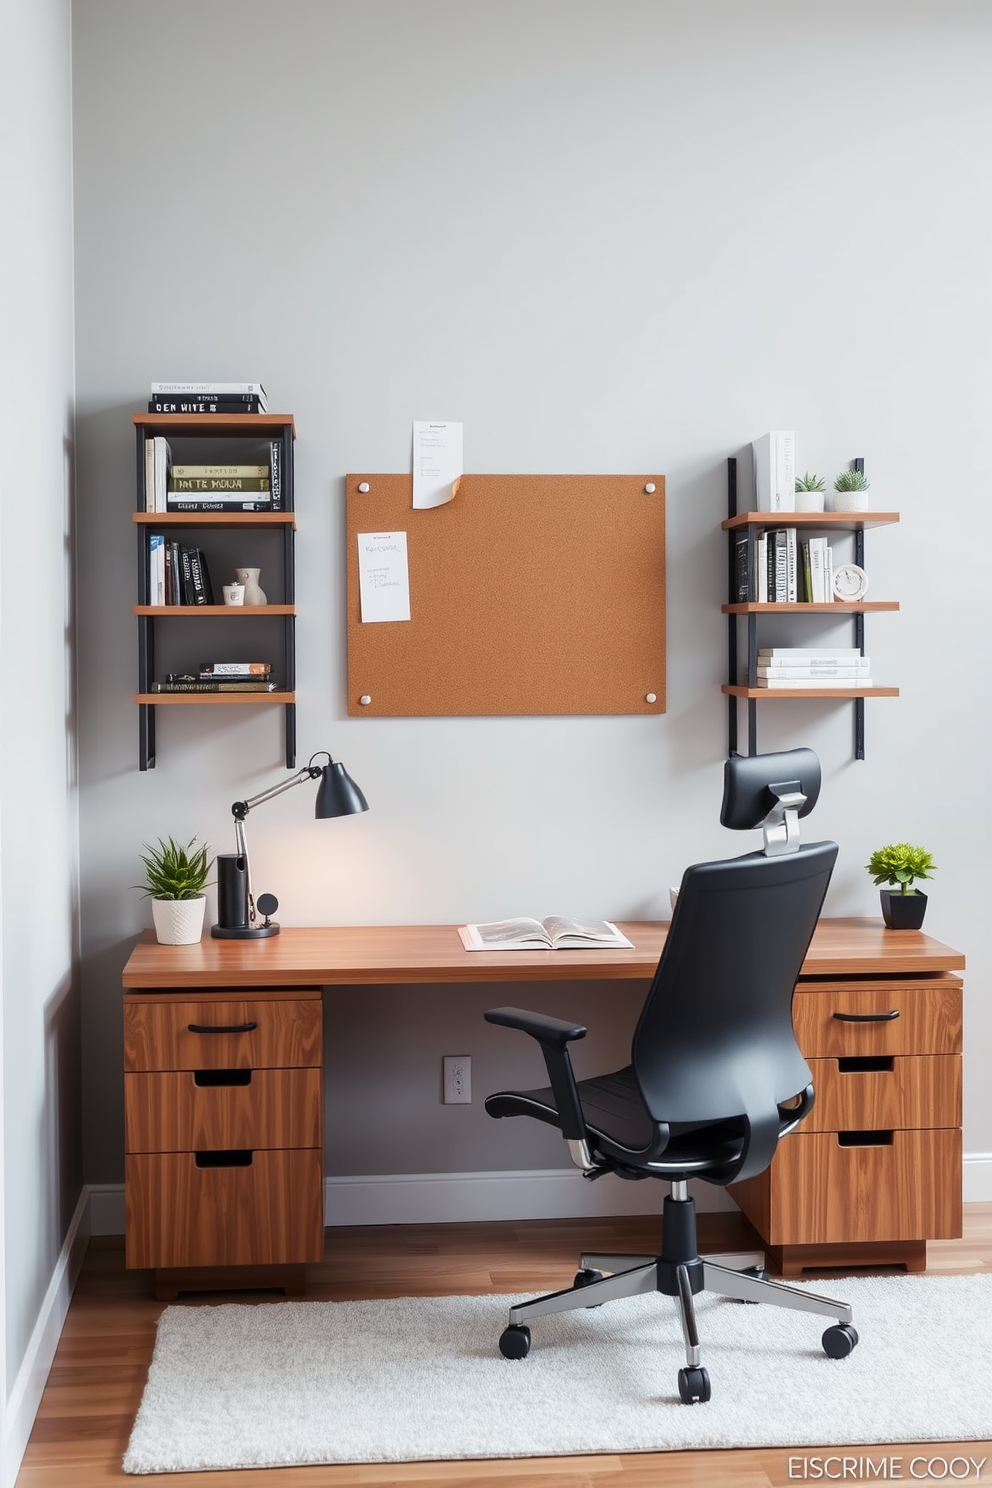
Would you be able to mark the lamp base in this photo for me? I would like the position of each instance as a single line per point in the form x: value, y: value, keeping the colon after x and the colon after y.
x: 244, y: 932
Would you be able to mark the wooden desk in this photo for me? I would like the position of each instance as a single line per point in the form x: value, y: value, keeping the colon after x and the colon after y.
x: 226, y: 1120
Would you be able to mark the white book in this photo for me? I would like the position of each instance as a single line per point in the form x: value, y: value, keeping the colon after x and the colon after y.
x: 156, y: 568
x: 813, y: 671
x: 761, y: 559
x: 795, y: 682
x: 553, y: 933
x: 831, y: 654
x: 214, y: 389
x: 149, y: 474
x: 163, y: 464
x: 817, y: 563
x: 775, y: 471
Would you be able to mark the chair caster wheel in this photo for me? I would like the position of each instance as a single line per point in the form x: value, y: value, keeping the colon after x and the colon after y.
x: 694, y: 1384
x: 839, y: 1340
x: 585, y: 1278
x: 514, y: 1341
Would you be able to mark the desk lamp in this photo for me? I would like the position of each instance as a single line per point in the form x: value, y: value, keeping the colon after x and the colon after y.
x: 237, y: 918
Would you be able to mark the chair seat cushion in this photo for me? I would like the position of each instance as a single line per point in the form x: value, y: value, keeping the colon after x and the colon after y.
x: 620, y: 1128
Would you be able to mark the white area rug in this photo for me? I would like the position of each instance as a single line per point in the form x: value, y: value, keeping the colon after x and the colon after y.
x: 288, y: 1383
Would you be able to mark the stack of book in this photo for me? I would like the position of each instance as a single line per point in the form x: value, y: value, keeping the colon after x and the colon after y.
x: 221, y: 676
x: 177, y: 574
x: 207, y: 397
x: 811, y: 666
x: 211, y: 488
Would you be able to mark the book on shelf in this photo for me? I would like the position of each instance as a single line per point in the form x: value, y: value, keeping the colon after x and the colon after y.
x: 182, y: 505
x: 205, y: 405
x: 156, y: 568
x: 275, y: 473
x: 158, y: 463
x: 818, y: 681
x: 204, y: 472
x: 775, y: 471
x: 761, y: 563
x: 813, y: 670
x: 782, y: 566
x: 257, y: 485
x: 825, y: 655
x: 234, y: 685
x: 211, y: 670
x: 203, y: 591
x: 217, y: 389
x: 553, y: 933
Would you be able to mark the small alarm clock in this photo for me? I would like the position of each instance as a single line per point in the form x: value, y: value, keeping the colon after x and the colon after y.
x: 850, y: 582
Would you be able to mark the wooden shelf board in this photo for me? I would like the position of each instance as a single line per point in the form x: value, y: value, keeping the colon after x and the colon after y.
x: 215, y: 519
x: 169, y: 612
x: 213, y: 423
x: 835, y: 607
x: 170, y: 699
x: 764, y: 693
x: 851, y: 521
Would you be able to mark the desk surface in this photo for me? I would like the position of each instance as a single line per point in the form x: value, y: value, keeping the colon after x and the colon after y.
x: 380, y: 954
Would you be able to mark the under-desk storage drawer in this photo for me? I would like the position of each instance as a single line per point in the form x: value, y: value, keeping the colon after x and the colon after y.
x: 189, y: 1110
x: 248, y: 1033
x: 873, y: 1092
x: 829, y: 1187
x: 878, y: 1017
x: 247, y: 1209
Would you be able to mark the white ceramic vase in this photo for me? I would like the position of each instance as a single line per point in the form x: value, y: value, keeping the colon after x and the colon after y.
x: 179, y: 921
x: 249, y: 577
x: 852, y: 501
x: 809, y: 501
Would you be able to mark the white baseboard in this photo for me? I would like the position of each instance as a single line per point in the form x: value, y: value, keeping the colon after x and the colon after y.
x: 447, y: 1198
x: 25, y: 1397
x: 976, y: 1185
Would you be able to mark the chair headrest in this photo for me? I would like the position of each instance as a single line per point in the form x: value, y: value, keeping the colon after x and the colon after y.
x: 770, y: 791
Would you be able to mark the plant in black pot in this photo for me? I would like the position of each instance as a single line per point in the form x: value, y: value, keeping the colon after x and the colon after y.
x: 900, y: 865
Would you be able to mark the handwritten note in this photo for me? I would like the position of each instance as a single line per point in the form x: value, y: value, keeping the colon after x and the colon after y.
x: 383, y: 576
x: 437, y: 462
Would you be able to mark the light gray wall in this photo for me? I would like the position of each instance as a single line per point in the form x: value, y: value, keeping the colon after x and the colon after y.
x: 609, y: 238
x: 42, y: 1167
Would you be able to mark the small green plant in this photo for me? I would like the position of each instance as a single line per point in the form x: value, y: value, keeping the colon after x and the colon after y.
x: 174, y: 872
x: 851, y: 480
x: 899, y: 864
x: 809, y: 482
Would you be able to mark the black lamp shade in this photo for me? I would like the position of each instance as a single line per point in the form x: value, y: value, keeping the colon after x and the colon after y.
x: 337, y: 794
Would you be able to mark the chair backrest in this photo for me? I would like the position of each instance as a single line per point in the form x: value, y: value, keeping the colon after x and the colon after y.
x: 714, y: 1039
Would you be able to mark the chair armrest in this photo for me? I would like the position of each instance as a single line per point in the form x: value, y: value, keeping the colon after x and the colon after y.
x: 554, y: 1031
x: 554, y: 1035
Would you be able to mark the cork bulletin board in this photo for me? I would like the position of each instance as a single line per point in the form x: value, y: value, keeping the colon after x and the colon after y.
x: 529, y: 595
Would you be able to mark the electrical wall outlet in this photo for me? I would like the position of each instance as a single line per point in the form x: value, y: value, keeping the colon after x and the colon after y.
x: 457, y: 1082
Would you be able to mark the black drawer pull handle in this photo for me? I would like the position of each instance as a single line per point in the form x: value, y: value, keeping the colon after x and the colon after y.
x: 867, y: 1017
x: 238, y: 1157
x: 223, y: 1028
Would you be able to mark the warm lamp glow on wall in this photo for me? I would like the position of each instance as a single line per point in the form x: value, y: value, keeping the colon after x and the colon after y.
x: 237, y: 913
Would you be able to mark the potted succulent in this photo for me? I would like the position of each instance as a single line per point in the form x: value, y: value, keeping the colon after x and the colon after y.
x: 809, y: 492
x: 851, y: 491
x: 175, y: 878
x: 900, y: 865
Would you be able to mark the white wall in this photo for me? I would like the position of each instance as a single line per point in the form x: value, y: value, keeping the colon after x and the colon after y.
x: 609, y: 238
x: 38, y: 854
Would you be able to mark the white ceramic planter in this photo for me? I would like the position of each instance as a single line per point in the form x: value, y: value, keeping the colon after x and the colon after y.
x: 179, y: 921
x: 851, y: 501
x: 809, y: 501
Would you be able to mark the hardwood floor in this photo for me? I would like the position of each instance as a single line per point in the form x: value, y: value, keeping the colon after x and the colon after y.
x: 99, y: 1371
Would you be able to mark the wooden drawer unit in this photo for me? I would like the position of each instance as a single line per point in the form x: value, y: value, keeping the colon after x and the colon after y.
x: 875, y: 1169
x: 223, y: 1108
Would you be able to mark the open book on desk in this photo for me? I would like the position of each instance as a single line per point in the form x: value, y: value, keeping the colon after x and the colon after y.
x: 553, y: 933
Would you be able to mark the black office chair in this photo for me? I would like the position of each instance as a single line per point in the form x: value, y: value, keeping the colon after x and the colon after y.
x: 715, y: 1080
